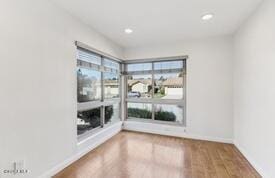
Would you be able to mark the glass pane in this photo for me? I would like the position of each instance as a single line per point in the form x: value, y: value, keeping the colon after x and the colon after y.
x: 139, y: 86
x: 87, y: 56
x: 168, y: 65
x: 88, y: 85
x: 169, y: 86
x: 111, y: 64
x: 166, y: 112
x: 87, y: 120
x: 111, y: 85
x: 140, y: 110
x: 139, y: 67
x: 112, y: 113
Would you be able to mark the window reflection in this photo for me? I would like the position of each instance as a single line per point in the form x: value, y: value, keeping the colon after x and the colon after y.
x: 112, y: 113
x: 87, y: 120
x: 88, y: 85
x: 111, y: 85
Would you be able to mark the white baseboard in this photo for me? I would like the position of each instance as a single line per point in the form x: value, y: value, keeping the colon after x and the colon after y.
x: 89, y: 144
x: 251, y: 160
x: 169, y: 130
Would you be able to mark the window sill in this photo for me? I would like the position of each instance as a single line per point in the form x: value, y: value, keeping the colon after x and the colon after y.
x: 96, y: 131
x: 156, y: 122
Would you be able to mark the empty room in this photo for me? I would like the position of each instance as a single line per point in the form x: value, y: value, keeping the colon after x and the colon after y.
x: 137, y: 89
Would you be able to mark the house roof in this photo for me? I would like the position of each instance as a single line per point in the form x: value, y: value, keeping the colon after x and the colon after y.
x: 177, y: 81
x: 143, y: 81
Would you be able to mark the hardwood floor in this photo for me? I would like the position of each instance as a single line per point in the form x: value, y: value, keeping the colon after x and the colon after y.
x: 140, y: 155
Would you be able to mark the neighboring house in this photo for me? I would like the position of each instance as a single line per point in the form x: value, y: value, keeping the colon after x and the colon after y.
x: 111, y: 88
x: 173, y: 87
x: 142, y: 85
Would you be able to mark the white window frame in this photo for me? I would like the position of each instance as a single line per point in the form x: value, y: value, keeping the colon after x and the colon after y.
x: 152, y: 100
x: 102, y: 103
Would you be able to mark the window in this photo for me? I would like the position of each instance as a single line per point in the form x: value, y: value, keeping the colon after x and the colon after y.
x: 139, y: 110
x: 88, y: 57
x: 168, y: 112
x: 169, y: 65
x: 88, y: 84
x: 156, y: 90
x: 111, y: 79
x: 140, y: 67
x: 111, y: 85
x: 168, y: 86
x: 97, y: 81
x: 88, y: 120
x: 112, y: 113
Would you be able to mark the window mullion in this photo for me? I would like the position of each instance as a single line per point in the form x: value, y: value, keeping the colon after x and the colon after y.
x: 153, y: 91
x: 102, y: 116
x: 153, y: 111
x: 102, y: 108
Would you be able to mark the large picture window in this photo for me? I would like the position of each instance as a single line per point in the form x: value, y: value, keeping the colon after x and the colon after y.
x: 97, y: 81
x: 156, y: 91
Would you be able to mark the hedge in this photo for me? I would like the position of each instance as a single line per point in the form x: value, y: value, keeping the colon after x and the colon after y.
x: 139, y: 113
x: 145, y: 114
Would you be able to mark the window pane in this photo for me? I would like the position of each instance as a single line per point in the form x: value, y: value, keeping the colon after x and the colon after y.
x: 111, y: 85
x: 87, y: 56
x: 87, y: 120
x: 169, y: 86
x: 139, y: 67
x: 140, y: 110
x: 168, y: 65
x: 88, y: 85
x: 166, y: 112
x: 139, y: 86
x: 112, y: 113
x: 111, y: 64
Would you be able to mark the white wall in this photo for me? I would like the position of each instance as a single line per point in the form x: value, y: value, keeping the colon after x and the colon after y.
x: 38, y: 107
x: 209, y: 83
x: 38, y: 83
x: 254, y: 89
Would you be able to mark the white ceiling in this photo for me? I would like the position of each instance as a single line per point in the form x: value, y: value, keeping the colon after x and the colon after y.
x: 160, y: 21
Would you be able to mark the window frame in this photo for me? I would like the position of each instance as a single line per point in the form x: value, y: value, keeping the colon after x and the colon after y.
x: 154, y: 101
x: 102, y: 102
x: 123, y: 99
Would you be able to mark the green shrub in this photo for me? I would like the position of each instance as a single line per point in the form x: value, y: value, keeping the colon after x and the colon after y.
x: 165, y: 116
x: 145, y: 114
x: 139, y: 113
x: 162, y: 91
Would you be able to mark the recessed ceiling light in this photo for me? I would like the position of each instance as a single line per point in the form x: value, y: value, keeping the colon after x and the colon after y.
x: 207, y: 16
x: 128, y: 30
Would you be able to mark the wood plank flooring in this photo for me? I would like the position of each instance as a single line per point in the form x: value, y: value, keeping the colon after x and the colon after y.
x: 140, y: 155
